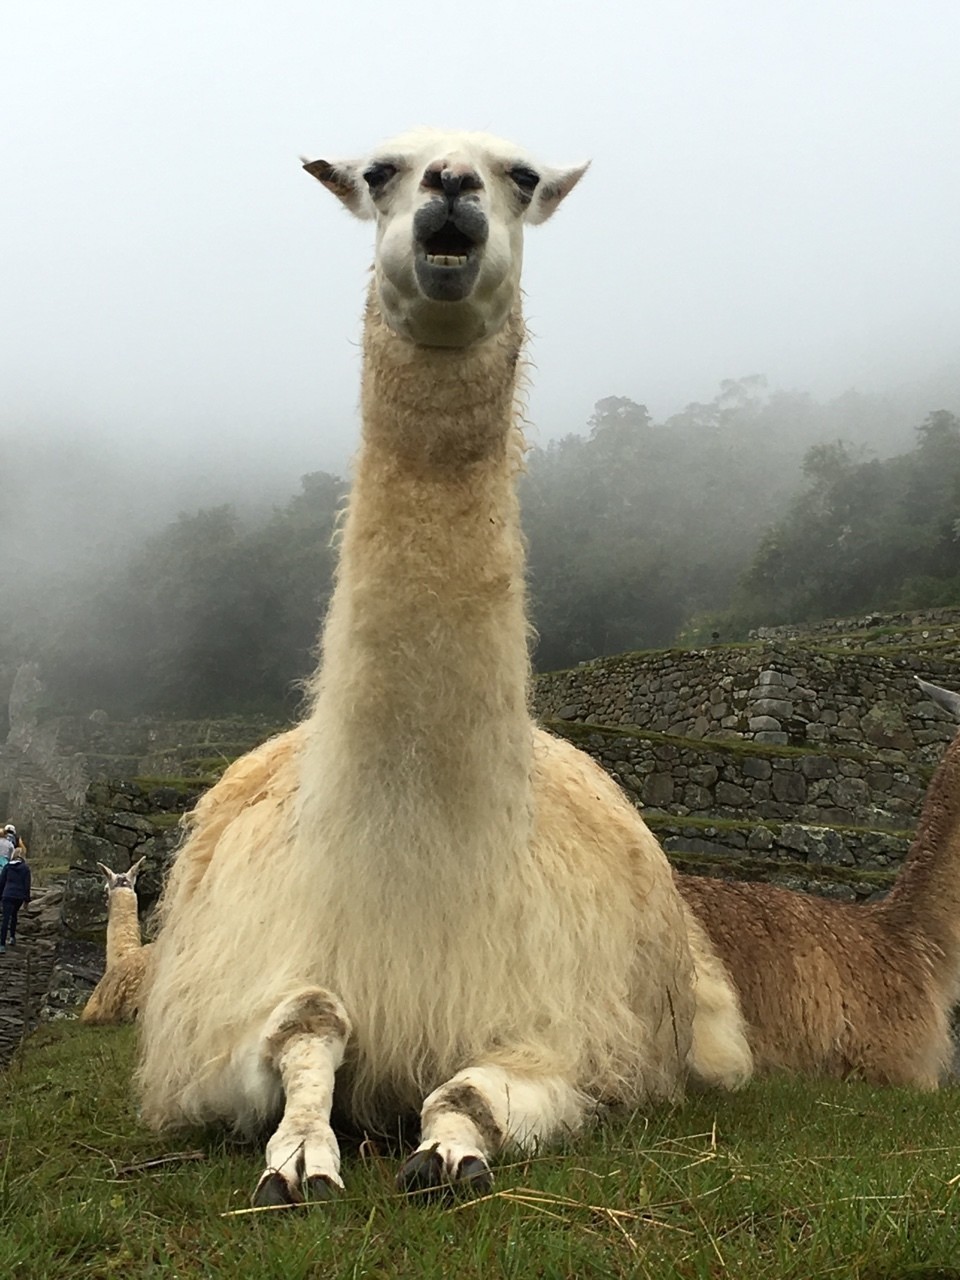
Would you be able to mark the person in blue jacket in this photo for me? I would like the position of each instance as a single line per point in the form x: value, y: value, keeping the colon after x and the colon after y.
x: 14, y: 892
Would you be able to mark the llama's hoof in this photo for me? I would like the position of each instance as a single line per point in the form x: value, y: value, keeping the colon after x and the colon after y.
x: 422, y: 1174
x: 427, y: 1175
x: 319, y: 1187
x: 273, y: 1189
x: 473, y: 1177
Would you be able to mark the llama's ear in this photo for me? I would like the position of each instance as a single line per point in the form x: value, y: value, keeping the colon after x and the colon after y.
x: 109, y: 875
x: 346, y: 183
x: 945, y: 698
x: 555, y: 185
x: 134, y: 870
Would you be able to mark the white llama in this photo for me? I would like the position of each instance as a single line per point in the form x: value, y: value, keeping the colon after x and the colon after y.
x: 417, y: 889
x: 116, y: 997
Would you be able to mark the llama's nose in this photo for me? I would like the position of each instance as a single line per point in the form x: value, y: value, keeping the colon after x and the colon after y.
x: 452, y: 179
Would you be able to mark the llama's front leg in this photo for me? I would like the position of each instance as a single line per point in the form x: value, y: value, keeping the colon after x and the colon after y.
x: 303, y: 1042
x: 478, y: 1113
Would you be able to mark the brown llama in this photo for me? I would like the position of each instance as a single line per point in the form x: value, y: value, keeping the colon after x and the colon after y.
x: 847, y: 990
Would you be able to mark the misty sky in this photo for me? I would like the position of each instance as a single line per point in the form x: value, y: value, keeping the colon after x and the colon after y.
x: 774, y: 190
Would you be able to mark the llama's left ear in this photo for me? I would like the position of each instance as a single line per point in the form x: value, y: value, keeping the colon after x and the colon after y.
x: 555, y: 184
x: 344, y: 180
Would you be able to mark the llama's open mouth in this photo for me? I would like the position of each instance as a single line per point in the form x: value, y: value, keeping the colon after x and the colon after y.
x: 448, y: 247
x: 447, y: 263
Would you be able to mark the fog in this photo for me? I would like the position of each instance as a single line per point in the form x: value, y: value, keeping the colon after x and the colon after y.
x: 773, y: 190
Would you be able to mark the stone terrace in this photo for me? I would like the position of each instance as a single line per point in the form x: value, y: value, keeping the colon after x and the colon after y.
x: 800, y: 760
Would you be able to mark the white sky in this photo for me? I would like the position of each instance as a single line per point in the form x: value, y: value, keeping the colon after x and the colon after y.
x: 774, y: 190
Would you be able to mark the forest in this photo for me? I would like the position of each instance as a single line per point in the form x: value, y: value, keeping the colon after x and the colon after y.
x: 755, y: 508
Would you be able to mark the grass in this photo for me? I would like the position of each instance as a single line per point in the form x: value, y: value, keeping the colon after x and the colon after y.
x: 577, y: 731
x: 754, y: 866
x: 660, y: 818
x: 786, y: 1180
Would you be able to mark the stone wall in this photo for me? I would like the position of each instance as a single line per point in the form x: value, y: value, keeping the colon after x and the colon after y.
x: 802, y: 761
x: 121, y: 822
x: 48, y: 761
x: 879, y: 628
x: 777, y: 694
x: 73, y: 750
x: 779, y: 754
x: 727, y: 779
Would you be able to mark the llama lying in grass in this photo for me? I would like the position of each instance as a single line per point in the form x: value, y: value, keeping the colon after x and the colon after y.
x: 417, y: 891
x: 839, y: 989
x: 116, y: 997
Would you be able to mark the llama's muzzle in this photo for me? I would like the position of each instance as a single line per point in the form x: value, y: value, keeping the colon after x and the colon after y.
x: 449, y: 235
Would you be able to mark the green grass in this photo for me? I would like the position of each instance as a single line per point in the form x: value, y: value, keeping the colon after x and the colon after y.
x: 577, y: 731
x: 786, y: 1180
x: 754, y: 866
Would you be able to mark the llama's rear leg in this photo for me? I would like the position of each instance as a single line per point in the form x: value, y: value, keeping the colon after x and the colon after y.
x: 478, y: 1113
x: 303, y: 1042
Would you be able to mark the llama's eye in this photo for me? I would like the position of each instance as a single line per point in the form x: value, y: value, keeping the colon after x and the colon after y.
x: 376, y: 176
x: 526, y: 179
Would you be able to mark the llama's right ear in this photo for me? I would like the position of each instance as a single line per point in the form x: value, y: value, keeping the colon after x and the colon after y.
x: 346, y: 183
x: 555, y: 185
x: 134, y: 870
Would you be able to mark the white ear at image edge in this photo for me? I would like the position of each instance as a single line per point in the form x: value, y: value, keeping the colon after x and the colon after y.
x: 555, y: 185
x: 343, y: 178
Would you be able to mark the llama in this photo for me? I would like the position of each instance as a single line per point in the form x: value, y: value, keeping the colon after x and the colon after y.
x: 116, y: 997
x: 840, y: 989
x: 416, y: 895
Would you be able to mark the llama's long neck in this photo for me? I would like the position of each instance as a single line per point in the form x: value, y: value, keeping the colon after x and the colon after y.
x: 423, y: 683
x: 123, y: 925
x: 926, y: 896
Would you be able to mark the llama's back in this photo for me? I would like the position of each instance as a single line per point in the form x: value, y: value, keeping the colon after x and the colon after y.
x: 826, y: 987
x: 925, y: 900
x: 683, y: 998
x: 117, y: 996
x: 625, y: 918
x: 267, y: 775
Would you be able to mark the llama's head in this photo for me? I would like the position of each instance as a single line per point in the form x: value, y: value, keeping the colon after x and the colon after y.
x: 450, y: 210
x: 121, y: 879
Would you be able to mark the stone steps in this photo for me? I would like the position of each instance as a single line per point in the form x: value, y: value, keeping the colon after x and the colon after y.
x: 26, y: 970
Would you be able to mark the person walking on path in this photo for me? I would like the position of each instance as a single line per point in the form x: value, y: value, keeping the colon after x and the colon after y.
x: 7, y: 846
x: 14, y: 892
x: 10, y: 833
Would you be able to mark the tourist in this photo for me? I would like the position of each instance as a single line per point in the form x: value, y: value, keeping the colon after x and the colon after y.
x: 10, y: 831
x: 14, y: 892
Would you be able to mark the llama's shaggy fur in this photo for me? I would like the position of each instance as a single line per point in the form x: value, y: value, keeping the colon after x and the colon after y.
x: 116, y: 997
x: 488, y: 916
x: 838, y: 989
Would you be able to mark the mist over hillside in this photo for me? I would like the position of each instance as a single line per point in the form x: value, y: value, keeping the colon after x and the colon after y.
x: 87, y: 495
x: 155, y: 580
